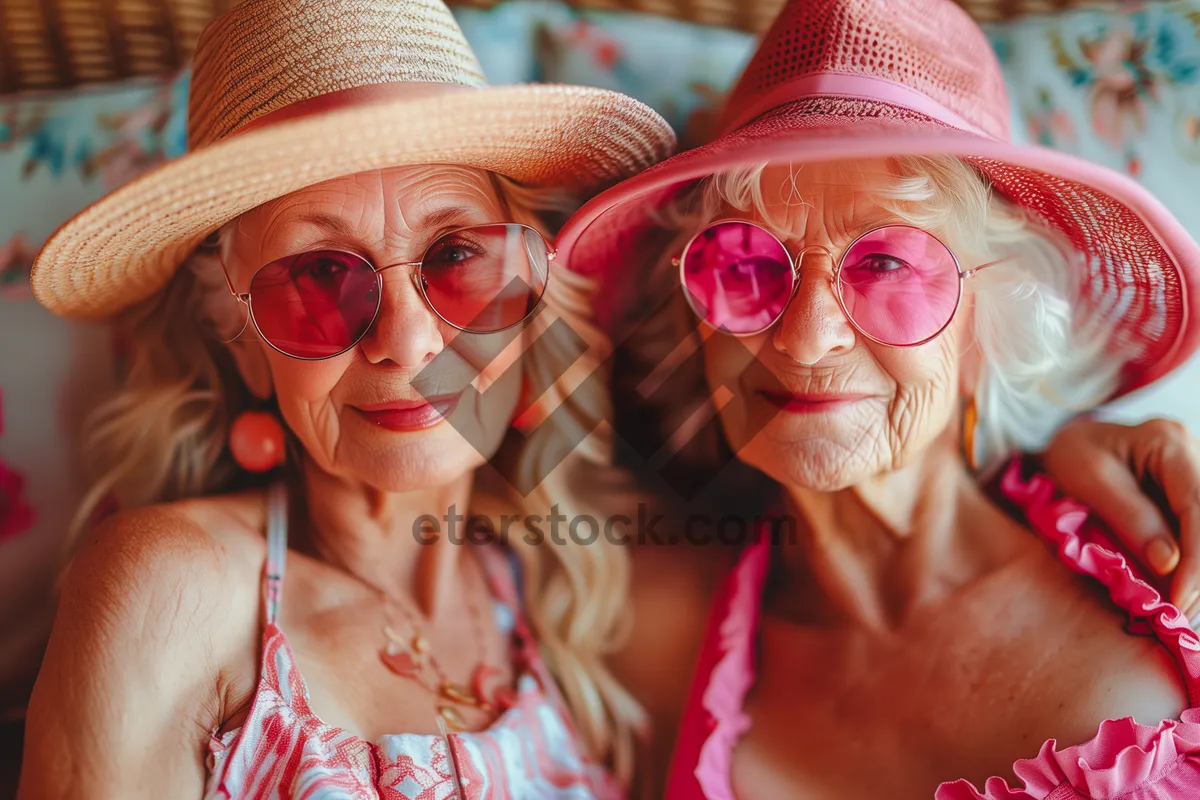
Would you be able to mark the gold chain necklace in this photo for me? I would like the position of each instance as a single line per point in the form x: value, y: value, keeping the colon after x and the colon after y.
x: 412, y: 657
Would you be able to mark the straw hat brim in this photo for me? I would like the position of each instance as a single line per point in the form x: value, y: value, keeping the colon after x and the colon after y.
x: 1143, y: 268
x: 125, y: 247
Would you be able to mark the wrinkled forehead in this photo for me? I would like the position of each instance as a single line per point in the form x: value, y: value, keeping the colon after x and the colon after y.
x: 836, y: 195
x: 832, y: 177
x: 407, y: 189
x: 369, y: 208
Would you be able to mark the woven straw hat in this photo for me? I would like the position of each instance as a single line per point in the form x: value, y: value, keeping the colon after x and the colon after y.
x: 840, y: 80
x: 289, y: 93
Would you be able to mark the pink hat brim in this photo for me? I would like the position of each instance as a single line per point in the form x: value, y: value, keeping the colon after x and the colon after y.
x: 1163, y: 264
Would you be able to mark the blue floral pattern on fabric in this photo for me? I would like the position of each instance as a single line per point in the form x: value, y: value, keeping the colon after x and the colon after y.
x: 1118, y: 87
x: 680, y: 69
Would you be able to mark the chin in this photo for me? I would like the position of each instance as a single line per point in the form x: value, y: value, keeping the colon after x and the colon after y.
x: 819, y: 464
x: 821, y: 451
x: 427, y: 460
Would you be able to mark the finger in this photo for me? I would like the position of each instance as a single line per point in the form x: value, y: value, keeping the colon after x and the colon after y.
x: 1112, y: 492
x: 1174, y: 464
x: 1185, y: 586
x: 1177, y: 471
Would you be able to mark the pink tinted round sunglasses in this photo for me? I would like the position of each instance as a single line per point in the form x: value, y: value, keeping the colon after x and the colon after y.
x: 321, y: 303
x: 897, y: 285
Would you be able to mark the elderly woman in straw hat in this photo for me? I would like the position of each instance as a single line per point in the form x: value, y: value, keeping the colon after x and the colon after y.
x: 886, y: 296
x: 353, y: 243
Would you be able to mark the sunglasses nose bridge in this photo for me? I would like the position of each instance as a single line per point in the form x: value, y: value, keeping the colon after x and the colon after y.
x: 798, y: 260
x: 411, y: 266
x: 798, y: 263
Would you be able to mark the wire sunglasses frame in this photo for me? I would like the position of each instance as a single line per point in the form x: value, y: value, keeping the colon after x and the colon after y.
x: 680, y: 262
x: 415, y: 274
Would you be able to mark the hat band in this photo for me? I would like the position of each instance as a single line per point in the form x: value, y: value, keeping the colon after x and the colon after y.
x: 859, y: 87
x: 350, y: 98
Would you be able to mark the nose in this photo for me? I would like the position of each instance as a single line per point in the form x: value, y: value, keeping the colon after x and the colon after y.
x: 406, y: 332
x: 813, y: 325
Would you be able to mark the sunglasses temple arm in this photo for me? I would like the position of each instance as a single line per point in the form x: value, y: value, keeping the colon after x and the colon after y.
x: 244, y: 299
x: 972, y: 272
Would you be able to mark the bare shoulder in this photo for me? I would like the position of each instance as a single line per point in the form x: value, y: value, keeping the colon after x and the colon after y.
x: 156, y: 633
x: 1105, y: 672
x: 173, y: 563
x: 176, y: 584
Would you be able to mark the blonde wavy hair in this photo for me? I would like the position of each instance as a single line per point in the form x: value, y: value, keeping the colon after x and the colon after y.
x: 162, y: 437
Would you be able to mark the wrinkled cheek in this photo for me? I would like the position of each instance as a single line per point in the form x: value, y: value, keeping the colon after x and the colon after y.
x: 918, y: 417
x: 927, y: 391
x: 499, y: 371
x: 317, y: 427
x: 728, y: 360
x: 303, y: 396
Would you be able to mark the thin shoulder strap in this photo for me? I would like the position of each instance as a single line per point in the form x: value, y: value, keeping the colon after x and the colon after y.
x: 276, y: 550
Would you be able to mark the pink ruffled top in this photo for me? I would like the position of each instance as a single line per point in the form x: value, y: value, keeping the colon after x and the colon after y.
x: 1124, y: 760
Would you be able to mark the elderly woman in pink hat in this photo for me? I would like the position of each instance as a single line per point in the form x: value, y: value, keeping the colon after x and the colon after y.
x: 886, y: 297
x: 346, y: 266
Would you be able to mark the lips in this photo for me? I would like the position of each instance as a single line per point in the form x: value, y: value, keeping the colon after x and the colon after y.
x: 810, y: 403
x: 410, y: 415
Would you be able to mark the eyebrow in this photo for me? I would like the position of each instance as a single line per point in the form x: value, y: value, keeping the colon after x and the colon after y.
x: 330, y: 222
x: 851, y: 232
x: 442, y: 217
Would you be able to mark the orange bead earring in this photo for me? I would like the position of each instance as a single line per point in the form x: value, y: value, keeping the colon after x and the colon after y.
x: 256, y: 441
x: 970, y: 421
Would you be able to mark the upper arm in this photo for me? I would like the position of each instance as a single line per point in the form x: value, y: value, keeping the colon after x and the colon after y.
x: 129, y: 679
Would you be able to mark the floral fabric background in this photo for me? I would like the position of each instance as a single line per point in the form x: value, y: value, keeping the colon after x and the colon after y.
x: 1118, y: 87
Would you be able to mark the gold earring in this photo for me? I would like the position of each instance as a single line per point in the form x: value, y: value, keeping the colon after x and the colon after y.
x: 970, y: 420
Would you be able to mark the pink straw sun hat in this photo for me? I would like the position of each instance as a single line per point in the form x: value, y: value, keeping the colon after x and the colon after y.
x: 855, y: 79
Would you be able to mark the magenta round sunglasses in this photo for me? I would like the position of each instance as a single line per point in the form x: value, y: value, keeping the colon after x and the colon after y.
x: 321, y: 303
x: 897, y: 284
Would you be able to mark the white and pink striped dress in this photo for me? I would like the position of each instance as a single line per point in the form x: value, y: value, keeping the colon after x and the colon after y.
x: 284, y: 750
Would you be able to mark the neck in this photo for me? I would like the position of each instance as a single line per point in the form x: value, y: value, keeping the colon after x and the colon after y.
x: 873, y: 554
x: 376, y: 536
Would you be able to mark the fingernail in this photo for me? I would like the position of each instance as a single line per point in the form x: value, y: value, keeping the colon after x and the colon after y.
x: 1161, y: 555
